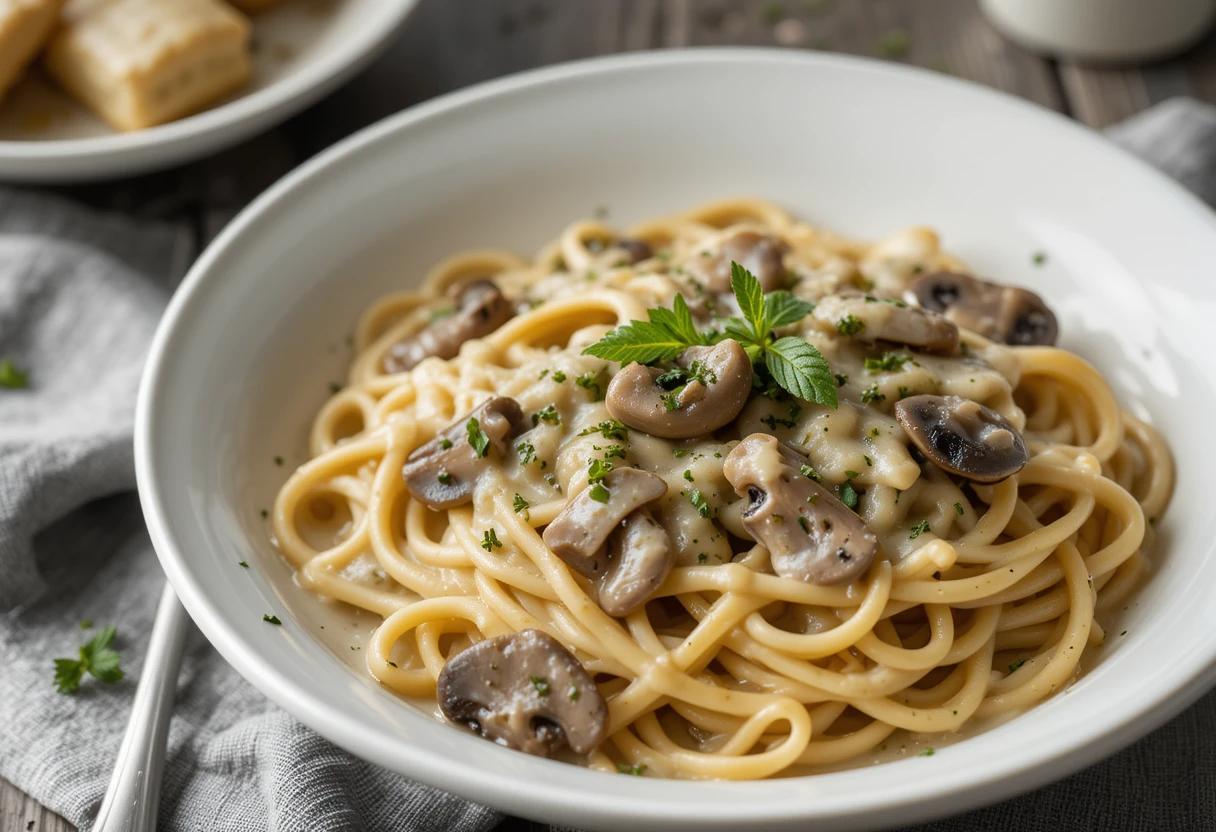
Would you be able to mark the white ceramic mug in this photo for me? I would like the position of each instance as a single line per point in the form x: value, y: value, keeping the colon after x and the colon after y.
x: 1103, y: 30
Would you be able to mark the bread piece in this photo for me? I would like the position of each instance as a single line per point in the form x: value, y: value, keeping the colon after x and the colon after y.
x: 254, y: 6
x: 138, y: 63
x: 25, y: 26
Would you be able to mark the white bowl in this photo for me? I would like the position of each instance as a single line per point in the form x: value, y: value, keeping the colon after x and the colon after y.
x: 305, y: 49
x: 252, y: 339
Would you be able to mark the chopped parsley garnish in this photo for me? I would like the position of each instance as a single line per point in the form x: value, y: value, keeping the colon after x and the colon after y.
x: 809, y: 472
x: 598, y: 469
x: 574, y: 693
x: 526, y: 451
x: 96, y: 657
x: 806, y: 524
x: 613, y: 451
x: 871, y: 394
x: 272, y: 619
x: 680, y: 453
x: 490, y: 541
x: 547, y: 414
x: 1014, y: 665
x: 541, y: 684
x: 13, y: 378
x: 477, y: 437
x: 700, y: 503
x: 851, y: 474
x: 1039, y: 258
x: 902, y: 393
x: 958, y: 509
x: 559, y: 376
x: 519, y: 503
x: 841, y: 379
x: 927, y: 752
x: 794, y: 364
x: 599, y: 493
x: 591, y: 383
x: 919, y: 529
x: 442, y: 312
x: 790, y: 420
x: 887, y: 362
x: 688, y: 474
x: 609, y: 429
x: 848, y: 495
x: 636, y: 770
x: 242, y: 564
x: 850, y: 325
x: 444, y: 478
x: 445, y: 443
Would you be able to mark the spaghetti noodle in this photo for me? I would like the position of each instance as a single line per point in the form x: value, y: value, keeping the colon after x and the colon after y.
x: 980, y: 602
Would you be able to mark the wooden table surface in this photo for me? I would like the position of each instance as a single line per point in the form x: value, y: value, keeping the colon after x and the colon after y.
x: 448, y: 44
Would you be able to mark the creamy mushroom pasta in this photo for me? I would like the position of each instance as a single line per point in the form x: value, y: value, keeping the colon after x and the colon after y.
x: 722, y: 496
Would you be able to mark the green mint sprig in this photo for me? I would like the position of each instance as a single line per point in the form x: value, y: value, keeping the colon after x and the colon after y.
x: 794, y: 364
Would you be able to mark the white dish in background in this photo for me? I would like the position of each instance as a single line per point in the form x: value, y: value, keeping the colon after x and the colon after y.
x: 245, y: 353
x: 303, y: 50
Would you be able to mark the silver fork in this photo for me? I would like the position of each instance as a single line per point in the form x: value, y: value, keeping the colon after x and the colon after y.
x: 133, y: 795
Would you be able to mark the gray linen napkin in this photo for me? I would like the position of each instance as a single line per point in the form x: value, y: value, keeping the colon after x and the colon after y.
x: 80, y: 294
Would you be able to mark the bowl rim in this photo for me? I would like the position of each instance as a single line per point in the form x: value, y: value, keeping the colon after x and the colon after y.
x: 252, y: 109
x: 905, y: 803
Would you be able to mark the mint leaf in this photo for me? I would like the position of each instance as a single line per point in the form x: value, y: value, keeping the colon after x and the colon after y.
x: 750, y: 296
x: 678, y: 321
x: 642, y: 341
x: 783, y: 309
x: 801, y: 369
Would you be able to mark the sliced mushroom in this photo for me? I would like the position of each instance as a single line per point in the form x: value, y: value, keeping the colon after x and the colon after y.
x: 695, y: 409
x: 1001, y: 313
x: 809, y: 533
x: 761, y: 254
x: 525, y: 691
x: 578, y: 532
x: 442, y: 472
x: 963, y: 437
x: 481, y: 309
x: 639, y: 556
x: 636, y: 250
x: 872, y: 319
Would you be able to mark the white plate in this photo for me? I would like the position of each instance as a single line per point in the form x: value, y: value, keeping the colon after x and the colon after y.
x: 303, y: 50
x: 250, y: 343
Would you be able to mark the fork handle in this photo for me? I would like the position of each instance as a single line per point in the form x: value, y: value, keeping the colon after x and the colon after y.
x: 133, y: 795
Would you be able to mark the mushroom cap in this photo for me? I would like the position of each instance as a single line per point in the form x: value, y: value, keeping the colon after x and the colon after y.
x: 525, y: 691
x: 1008, y: 314
x: 636, y: 250
x: 889, y: 320
x: 761, y: 254
x: 441, y: 473
x: 809, y: 533
x: 635, y: 398
x: 578, y: 533
x: 963, y: 437
x: 482, y: 309
x: 640, y: 556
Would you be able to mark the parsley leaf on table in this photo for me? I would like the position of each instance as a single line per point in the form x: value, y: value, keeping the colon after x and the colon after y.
x: 97, y: 658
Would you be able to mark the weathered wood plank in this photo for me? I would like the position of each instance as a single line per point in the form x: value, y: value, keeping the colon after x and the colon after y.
x: 21, y: 813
